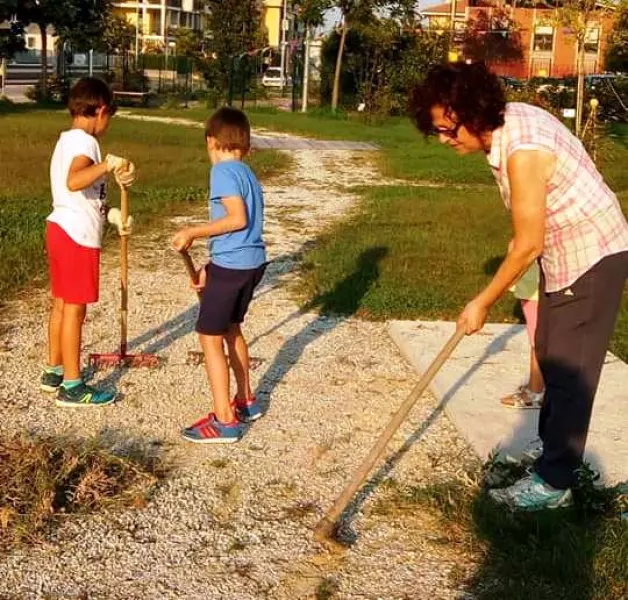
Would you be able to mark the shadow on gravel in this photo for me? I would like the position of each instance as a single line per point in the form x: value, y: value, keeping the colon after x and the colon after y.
x: 346, y: 533
x: 160, y: 338
x: 334, y: 307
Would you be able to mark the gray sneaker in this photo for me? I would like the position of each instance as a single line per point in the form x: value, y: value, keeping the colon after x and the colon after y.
x: 531, y: 494
x: 50, y: 382
x: 532, y: 452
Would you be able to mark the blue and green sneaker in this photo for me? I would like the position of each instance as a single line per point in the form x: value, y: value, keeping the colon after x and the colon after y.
x: 83, y: 395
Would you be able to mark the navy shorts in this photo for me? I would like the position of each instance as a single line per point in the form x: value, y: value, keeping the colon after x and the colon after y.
x: 226, y: 297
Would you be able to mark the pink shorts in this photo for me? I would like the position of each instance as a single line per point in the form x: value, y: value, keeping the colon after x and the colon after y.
x: 74, y: 269
x: 530, y: 311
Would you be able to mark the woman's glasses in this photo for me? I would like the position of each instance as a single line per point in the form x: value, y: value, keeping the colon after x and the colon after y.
x: 450, y: 133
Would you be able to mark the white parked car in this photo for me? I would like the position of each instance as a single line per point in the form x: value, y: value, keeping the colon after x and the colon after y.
x: 272, y: 78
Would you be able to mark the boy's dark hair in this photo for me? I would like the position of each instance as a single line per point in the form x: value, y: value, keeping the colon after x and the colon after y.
x: 230, y: 128
x: 471, y: 91
x: 88, y: 95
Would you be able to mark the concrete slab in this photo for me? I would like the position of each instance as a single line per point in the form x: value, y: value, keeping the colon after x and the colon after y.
x: 493, y: 363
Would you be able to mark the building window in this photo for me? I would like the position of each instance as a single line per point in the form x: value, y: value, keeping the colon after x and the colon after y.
x: 460, y: 28
x: 31, y: 42
x: 155, y: 24
x: 592, y: 40
x: 543, y: 39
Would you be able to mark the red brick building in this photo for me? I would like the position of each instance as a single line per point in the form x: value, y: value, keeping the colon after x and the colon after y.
x: 549, y: 50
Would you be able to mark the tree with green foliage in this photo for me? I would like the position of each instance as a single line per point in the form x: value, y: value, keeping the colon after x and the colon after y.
x: 353, y: 13
x: 311, y: 12
x: 188, y: 42
x: 235, y: 28
x: 84, y: 23
x: 118, y: 38
x: 81, y: 22
x: 617, y: 51
x: 492, y: 37
x: 12, y: 34
x: 579, y: 16
x: 384, y: 59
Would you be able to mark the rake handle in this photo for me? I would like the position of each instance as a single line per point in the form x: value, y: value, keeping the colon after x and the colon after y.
x: 325, y: 527
x: 124, y: 272
x: 191, y: 269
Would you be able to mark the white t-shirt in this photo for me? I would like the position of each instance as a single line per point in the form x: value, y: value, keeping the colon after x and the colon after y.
x: 80, y: 214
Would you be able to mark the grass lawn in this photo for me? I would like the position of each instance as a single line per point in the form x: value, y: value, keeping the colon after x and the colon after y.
x: 405, y: 153
x: 435, y: 248
x: 577, y: 553
x: 173, y: 171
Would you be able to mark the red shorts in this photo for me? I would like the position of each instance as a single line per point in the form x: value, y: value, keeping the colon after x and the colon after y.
x: 74, y: 269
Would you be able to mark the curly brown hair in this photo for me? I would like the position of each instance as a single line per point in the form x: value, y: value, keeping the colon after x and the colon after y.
x: 470, y: 91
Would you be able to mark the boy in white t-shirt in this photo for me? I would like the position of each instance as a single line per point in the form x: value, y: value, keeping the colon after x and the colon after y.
x: 73, y: 236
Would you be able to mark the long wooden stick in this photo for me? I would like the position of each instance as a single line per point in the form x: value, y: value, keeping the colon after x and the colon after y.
x: 124, y: 272
x: 191, y: 269
x: 325, y: 527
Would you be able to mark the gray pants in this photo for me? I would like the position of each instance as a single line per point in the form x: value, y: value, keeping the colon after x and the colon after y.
x: 574, y: 328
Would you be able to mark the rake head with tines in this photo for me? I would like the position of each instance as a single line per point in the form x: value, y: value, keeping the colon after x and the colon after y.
x: 121, y: 358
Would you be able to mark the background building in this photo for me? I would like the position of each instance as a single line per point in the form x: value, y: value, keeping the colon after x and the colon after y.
x: 549, y: 50
x: 155, y: 19
x: 272, y: 17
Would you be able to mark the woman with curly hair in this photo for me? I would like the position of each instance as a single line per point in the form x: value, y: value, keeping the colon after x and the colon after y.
x: 565, y: 217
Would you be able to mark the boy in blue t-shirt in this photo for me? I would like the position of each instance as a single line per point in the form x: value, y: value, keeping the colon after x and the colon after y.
x: 238, y: 261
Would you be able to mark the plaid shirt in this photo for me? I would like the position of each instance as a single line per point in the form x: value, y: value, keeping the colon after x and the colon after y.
x: 583, y: 219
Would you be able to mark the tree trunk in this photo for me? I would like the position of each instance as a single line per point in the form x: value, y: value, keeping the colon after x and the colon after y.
x: 44, y: 60
x: 580, y: 88
x: 341, y: 49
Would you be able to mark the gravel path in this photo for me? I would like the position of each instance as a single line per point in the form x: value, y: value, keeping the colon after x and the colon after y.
x: 236, y: 522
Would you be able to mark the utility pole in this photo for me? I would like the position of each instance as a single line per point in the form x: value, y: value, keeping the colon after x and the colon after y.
x: 306, y: 69
x: 3, y: 74
x: 137, y: 29
x: 284, y: 23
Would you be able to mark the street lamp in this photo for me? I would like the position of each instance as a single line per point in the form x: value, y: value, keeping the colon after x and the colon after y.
x: 137, y: 29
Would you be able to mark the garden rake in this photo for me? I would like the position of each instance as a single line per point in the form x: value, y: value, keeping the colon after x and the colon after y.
x: 121, y: 358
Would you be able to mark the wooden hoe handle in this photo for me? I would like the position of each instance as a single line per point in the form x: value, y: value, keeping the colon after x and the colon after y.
x: 325, y: 527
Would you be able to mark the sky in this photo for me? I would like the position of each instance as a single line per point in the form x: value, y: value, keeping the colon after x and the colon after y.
x: 333, y: 16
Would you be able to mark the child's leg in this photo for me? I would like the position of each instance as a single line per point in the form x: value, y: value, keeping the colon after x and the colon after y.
x: 239, y: 360
x: 71, y: 330
x: 536, y: 385
x: 530, y: 311
x: 55, y: 321
x: 218, y: 375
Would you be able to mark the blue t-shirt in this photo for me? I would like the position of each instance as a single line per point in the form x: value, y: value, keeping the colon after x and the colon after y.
x: 243, y: 249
